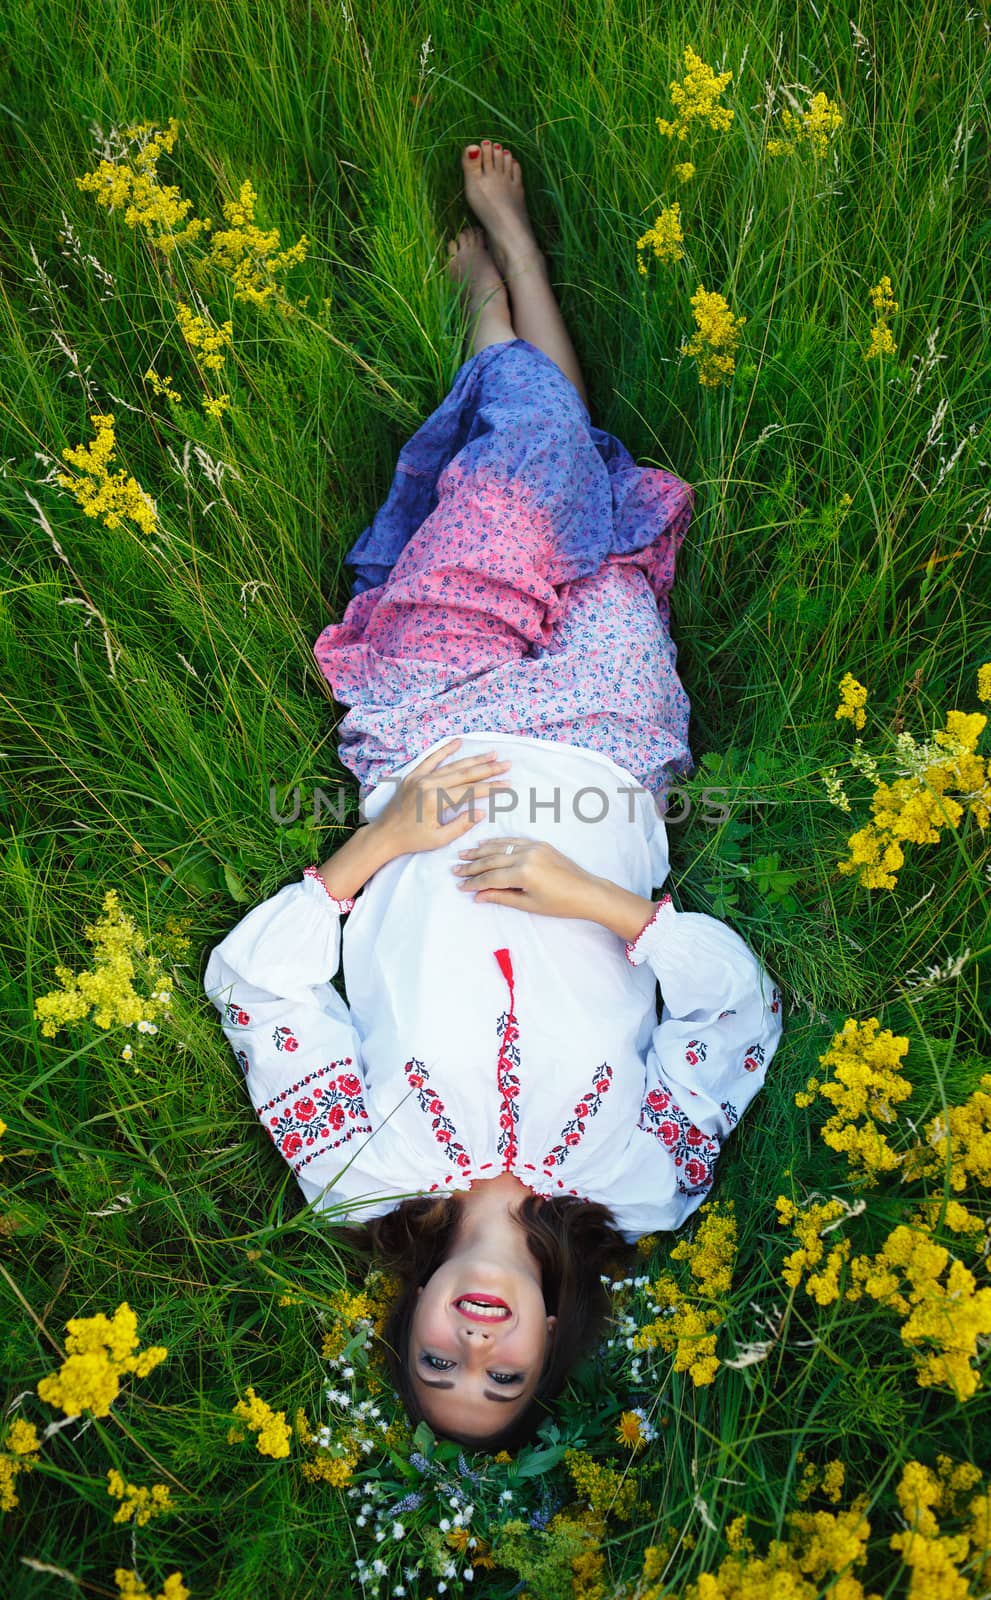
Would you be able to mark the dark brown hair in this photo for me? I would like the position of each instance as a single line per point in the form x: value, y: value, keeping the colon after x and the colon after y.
x: 573, y: 1242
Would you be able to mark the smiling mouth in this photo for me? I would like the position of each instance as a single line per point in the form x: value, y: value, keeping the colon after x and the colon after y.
x: 482, y: 1308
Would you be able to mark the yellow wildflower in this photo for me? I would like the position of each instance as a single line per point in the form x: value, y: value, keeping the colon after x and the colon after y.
x: 885, y: 305
x: 943, y: 1321
x: 334, y: 1470
x: 853, y: 698
x: 160, y: 386
x: 271, y: 1426
x: 815, y: 127
x: 665, y: 238
x: 137, y: 1501
x: 3, y: 1130
x: 19, y: 1452
x: 249, y: 256
x: 683, y: 1326
x: 809, y: 1226
x: 958, y: 1143
x: 696, y: 98
x: 984, y: 682
x: 207, y: 342
x: 132, y: 182
x: 107, y: 990
x: 503, y: 1457
x: 629, y: 1431
x: 216, y: 405
x: 865, y: 1086
x: 130, y: 1587
x: 101, y: 1349
x: 717, y: 333
x: 101, y: 493
x: 607, y: 1492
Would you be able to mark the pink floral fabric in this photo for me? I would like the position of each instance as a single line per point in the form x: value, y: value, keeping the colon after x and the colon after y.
x: 515, y: 580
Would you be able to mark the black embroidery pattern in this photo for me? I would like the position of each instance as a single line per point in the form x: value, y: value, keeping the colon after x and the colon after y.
x: 305, y: 1118
x: 694, y: 1153
x: 431, y: 1104
x: 753, y: 1057
x: 588, y: 1106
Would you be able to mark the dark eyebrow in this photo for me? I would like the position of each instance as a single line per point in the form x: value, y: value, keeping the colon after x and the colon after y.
x: 448, y: 1383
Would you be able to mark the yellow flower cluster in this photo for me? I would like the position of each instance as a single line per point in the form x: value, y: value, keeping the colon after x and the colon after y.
x: 160, y: 386
x: 984, y: 682
x: 943, y: 1566
x: 101, y: 493
x: 665, y: 238
x: 717, y: 333
x: 3, y: 1130
x: 827, y: 1481
x: 100, y: 1349
x: 682, y: 1325
x: 209, y: 343
x: 130, y: 1587
x: 808, y: 1227
x: 696, y: 99
x: 136, y: 1501
x: 957, y: 1144
x: 18, y: 1453
x: 815, y: 127
x: 249, y: 256
x: 943, y: 781
x: 943, y: 1321
x: 885, y: 305
x: 107, y: 990
x: 866, y: 1086
x: 853, y: 698
x: 606, y: 1492
x: 133, y: 182
x: 820, y: 1543
x: 271, y: 1426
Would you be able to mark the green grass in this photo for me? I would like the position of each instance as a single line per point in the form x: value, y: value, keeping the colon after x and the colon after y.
x: 154, y: 689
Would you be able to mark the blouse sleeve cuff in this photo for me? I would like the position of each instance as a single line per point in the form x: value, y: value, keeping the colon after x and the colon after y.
x: 637, y: 949
x: 338, y: 905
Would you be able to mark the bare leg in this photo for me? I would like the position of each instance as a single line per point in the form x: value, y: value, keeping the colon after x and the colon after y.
x: 470, y: 264
x: 494, y: 190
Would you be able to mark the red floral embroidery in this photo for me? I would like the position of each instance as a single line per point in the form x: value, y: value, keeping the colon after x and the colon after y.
x: 243, y: 1062
x: 694, y: 1153
x: 588, y: 1106
x: 284, y: 1039
x: 753, y: 1057
x: 304, y: 1116
x: 235, y: 1015
x: 429, y: 1102
x: 695, y: 1052
x: 775, y: 1000
x: 507, y: 1077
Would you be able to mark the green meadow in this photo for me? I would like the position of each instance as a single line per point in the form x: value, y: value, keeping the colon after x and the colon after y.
x: 160, y: 706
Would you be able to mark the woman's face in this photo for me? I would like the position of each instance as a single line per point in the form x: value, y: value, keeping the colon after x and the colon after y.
x: 478, y: 1342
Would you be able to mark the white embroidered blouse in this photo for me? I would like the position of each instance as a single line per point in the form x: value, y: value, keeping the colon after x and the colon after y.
x: 480, y: 1039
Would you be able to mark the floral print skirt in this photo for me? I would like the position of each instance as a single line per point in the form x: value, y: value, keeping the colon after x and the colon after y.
x: 515, y: 580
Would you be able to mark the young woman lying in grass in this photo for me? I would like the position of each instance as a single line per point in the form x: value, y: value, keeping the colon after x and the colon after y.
x: 498, y: 1105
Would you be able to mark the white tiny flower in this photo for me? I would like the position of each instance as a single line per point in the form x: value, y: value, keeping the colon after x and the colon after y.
x: 444, y: 1525
x: 379, y: 1568
x: 367, y: 1446
x: 347, y: 1372
x: 361, y: 1521
x: 126, y: 1053
x: 507, y: 1495
x: 469, y: 1574
x: 441, y: 1587
x: 366, y: 1509
x: 398, y: 1531
x: 379, y: 1535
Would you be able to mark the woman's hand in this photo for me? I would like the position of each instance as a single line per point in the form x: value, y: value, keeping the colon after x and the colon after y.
x: 533, y: 877
x: 412, y: 819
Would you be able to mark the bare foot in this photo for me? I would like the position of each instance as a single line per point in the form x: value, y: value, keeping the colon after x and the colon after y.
x: 470, y: 265
x: 494, y: 190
